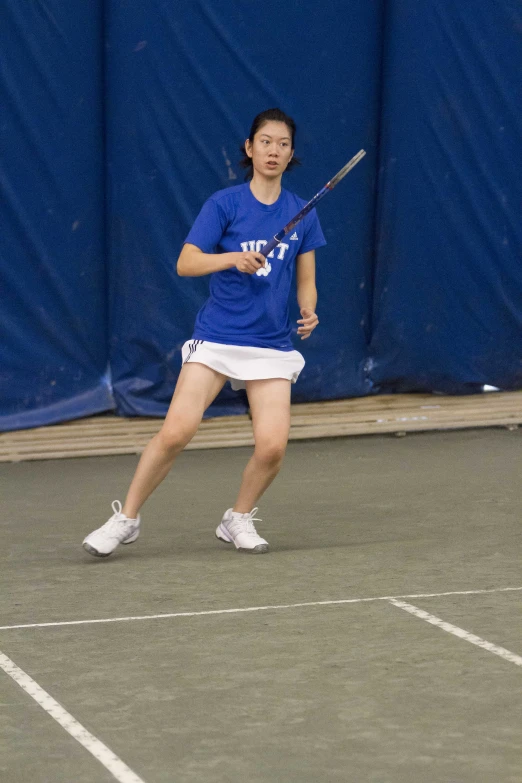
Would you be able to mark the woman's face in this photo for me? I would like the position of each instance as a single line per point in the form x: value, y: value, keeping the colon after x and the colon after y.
x: 271, y: 150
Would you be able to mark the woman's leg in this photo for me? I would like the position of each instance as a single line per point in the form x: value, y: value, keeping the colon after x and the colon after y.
x: 270, y: 407
x: 197, y: 387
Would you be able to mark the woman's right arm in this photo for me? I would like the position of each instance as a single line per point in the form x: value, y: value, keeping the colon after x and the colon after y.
x: 193, y: 262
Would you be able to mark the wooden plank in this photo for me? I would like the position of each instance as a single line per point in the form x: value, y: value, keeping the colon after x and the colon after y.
x: 103, y: 435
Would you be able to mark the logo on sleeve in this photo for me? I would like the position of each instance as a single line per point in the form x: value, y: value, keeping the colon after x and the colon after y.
x: 294, y: 235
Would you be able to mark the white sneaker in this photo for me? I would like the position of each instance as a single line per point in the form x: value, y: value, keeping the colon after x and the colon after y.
x: 239, y: 529
x: 119, y: 529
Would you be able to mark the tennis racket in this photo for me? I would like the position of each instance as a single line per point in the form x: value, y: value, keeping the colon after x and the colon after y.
x: 330, y: 185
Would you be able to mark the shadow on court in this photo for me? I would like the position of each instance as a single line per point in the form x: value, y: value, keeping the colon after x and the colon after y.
x: 361, y: 691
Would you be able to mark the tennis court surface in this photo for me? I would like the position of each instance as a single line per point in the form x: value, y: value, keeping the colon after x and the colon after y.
x: 379, y: 641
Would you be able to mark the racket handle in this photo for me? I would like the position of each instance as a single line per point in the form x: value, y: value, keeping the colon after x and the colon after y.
x: 270, y: 245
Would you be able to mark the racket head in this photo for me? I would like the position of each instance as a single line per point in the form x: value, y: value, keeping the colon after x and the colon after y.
x: 345, y: 169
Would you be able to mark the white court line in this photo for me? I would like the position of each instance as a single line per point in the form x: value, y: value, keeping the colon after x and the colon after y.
x: 105, y: 756
x: 459, y: 632
x: 254, y: 609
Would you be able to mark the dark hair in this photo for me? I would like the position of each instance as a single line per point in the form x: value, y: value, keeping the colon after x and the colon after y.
x: 274, y: 115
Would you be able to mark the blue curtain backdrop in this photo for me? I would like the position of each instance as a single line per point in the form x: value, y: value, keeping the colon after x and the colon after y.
x: 53, y: 330
x: 448, y: 293
x: 185, y: 81
x: 118, y: 120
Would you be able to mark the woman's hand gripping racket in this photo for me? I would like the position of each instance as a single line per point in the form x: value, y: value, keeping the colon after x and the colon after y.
x: 311, y: 204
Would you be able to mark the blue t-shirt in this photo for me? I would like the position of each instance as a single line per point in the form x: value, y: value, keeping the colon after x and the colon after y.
x: 252, y: 309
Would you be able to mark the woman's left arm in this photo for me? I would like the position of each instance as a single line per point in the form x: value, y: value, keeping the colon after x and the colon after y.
x: 306, y: 293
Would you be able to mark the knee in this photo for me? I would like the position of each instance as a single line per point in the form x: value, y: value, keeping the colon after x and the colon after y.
x: 270, y: 453
x: 173, y: 439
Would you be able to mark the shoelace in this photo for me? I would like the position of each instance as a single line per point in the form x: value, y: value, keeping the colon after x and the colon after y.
x: 245, y: 524
x: 115, y: 525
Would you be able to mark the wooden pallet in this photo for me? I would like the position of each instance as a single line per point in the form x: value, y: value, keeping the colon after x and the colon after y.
x: 399, y: 414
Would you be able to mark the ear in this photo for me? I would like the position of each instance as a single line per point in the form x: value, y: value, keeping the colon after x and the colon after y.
x: 248, y: 147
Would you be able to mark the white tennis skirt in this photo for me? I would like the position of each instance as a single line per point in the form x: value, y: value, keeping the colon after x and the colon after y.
x: 242, y: 363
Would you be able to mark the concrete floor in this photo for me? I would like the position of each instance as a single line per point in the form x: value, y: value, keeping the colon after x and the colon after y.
x: 361, y: 692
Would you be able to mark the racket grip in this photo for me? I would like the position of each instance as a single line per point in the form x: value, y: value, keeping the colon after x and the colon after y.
x: 270, y: 245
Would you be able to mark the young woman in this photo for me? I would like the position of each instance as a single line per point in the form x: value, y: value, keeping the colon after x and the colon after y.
x: 242, y: 333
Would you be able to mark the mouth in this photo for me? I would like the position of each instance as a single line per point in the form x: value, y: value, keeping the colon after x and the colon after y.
x: 272, y: 164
